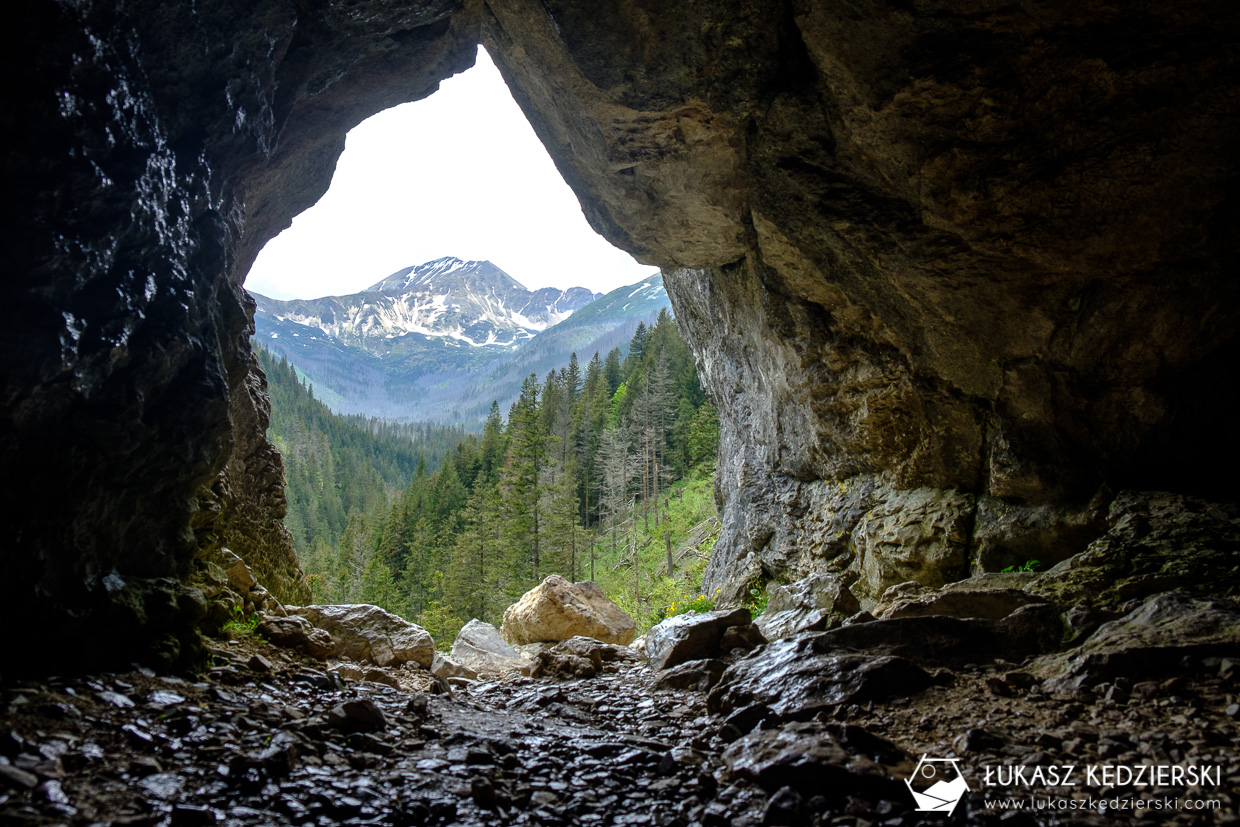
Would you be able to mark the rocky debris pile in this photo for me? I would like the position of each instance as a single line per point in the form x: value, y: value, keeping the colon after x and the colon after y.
x: 231, y: 590
x: 556, y: 610
x: 369, y: 634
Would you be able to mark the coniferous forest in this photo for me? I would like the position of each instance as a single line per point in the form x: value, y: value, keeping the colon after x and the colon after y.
x: 599, y: 471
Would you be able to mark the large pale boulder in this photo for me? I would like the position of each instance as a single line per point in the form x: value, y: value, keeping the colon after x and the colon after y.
x: 813, y: 602
x: 556, y: 610
x: 480, y: 648
x: 367, y: 633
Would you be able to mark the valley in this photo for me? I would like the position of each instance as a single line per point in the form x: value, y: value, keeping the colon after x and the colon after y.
x: 443, y: 340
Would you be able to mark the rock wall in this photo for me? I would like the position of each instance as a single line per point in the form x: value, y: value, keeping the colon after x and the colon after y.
x: 953, y: 272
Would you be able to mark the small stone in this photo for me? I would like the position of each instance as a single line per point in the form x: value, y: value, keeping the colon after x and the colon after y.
x: 483, y: 792
x: 53, y: 793
x: 116, y: 699
x: 357, y: 716
x: 17, y: 778
x: 259, y: 664
x: 164, y: 786
x: 786, y: 809
x: 1233, y: 711
x: 189, y: 815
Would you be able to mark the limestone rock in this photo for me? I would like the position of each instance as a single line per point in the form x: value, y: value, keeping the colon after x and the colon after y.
x: 811, y: 603
x: 915, y: 252
x: 919, y: 535
x: 296, y: 632
x: 367, y: 633
x: 795, y: 680
x: 969, y: 598
x: 1148, y: 641
x: 699, y: 675
x: 815, y: 759
x: 479, y: 648
x: 691, y: 636
x: 558, y: 610
x: 444, y: 666
x: 1154, y: 542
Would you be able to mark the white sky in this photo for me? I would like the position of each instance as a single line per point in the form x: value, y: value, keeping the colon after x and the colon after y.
x: 460, y: 173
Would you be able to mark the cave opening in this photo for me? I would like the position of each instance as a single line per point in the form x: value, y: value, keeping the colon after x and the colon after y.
x: 963, y: 285
x: 459, y: 174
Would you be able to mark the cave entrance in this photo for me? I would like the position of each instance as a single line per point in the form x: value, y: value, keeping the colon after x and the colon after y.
x: 460, y: 173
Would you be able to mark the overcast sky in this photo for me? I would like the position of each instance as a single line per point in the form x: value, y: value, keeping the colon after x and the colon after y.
x: 460, y: 173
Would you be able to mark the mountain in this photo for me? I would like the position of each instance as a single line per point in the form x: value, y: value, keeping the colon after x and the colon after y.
x: 442, y: 340
x: 469, y: 303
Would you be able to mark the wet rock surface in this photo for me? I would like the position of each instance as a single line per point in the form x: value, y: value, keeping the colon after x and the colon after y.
x: 269, y: 737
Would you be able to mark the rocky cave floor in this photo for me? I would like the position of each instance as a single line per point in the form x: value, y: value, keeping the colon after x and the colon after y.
x: 270, y: 737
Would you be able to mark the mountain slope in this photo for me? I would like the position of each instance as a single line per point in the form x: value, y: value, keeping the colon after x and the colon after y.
x: 471, y: 303
x: 400, y: 350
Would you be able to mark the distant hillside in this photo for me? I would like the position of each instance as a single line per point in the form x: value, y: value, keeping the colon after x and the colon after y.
x: 441, y: 341
x: 337, y: 465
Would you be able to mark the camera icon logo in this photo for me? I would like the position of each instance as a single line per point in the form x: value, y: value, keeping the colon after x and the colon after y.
x: 937, y: 784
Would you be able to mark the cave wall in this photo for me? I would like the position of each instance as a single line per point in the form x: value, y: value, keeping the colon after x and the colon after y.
x: 954, y: 273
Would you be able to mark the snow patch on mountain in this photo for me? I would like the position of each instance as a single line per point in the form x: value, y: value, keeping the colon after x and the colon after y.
x: 438, y: 300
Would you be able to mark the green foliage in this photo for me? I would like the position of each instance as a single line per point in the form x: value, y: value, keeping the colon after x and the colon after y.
x: 590, y: 478
x: 1029, y: 565
x: 241, y: 625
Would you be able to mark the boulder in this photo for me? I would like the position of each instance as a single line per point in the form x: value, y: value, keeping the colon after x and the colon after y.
x: 480, y: 648
x: 817, y: 759
x: 296, y: 632
x: 367, y: 633
x: 948, y: 641
x: 811, y: 603
x: 446, y: 667
x: 558, y: 610
x: 691, y: 636
x: 796, y: 682
x: 1148, y: 641
x: 698, y: 675
x: 963, y: 600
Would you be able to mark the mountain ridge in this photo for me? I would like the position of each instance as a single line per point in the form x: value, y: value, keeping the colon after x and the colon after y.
x: 473, y: 303
x: 428, y: 372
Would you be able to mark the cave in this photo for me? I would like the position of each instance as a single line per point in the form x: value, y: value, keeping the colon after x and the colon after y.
x: 953, y: 274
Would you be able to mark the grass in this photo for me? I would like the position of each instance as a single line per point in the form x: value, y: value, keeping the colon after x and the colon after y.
x: 691, y: 519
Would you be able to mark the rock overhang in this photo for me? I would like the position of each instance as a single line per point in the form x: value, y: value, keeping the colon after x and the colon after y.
x: 985, y: 252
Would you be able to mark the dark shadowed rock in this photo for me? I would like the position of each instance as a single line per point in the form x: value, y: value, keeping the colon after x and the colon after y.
x: 1155, y: 542
x: 699, y: 675
x: 1148, y: 641
x: 691, y: 636
x: 296, y: 632
x: 936, y: 640
x: 357, y: 716
x: 796, y: 682
x: 994, y: 604
x: 809, y: 758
